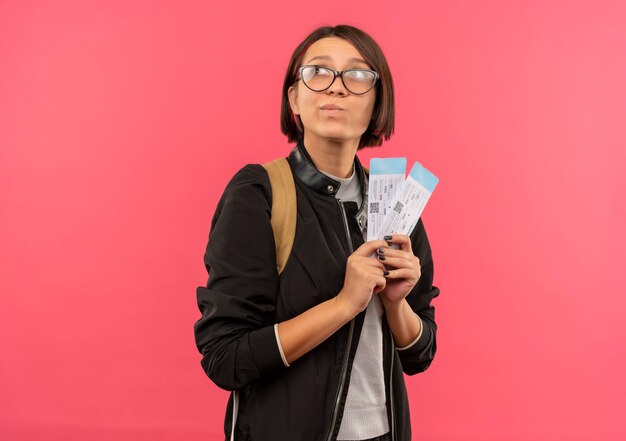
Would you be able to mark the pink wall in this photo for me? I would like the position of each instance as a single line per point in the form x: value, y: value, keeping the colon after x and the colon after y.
x: 121, y: 122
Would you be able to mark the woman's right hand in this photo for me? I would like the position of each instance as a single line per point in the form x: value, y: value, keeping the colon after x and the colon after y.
x: 364, y: 278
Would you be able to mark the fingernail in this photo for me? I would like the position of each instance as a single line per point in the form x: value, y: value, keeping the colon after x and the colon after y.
x: 389, y: 243
x: 381, y: 257
x: 388, y: 237
x: 381, y: 250
x: 385, y: 273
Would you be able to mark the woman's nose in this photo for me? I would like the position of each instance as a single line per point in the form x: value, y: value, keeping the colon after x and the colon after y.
x: 337, y: 87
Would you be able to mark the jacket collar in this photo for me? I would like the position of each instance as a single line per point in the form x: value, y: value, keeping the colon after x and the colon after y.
x: 305, y: 170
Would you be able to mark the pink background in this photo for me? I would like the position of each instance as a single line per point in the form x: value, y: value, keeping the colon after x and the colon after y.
x: 121, y: 123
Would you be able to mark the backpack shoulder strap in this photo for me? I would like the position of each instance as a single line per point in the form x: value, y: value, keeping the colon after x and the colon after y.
x: 284, y: 209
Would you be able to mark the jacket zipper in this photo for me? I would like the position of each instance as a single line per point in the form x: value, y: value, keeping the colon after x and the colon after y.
x: 392, y: 406
x: 344, y: 368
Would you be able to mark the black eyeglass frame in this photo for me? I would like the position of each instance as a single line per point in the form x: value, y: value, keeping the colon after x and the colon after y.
x: 338, y: 73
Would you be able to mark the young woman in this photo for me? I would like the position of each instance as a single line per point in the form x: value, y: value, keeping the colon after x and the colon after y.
x: 317, y: 352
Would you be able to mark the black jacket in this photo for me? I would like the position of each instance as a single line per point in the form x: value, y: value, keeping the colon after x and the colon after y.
x: 245, y: 297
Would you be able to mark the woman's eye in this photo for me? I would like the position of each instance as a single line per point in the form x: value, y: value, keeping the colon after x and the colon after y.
x: 359, y: 74
x: 320, y: 71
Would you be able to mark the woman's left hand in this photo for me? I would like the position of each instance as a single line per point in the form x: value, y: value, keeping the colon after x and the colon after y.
x: 403, y: 267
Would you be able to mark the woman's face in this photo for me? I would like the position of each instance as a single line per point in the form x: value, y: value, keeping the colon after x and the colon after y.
x: 352, y: 118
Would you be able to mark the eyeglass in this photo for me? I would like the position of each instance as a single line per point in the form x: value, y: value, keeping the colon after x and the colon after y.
x: 356, y: 81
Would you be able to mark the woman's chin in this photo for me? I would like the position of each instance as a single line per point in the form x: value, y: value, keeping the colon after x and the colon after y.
x: 337, y: 135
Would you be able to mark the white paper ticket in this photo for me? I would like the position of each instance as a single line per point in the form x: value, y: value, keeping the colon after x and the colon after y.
x: 409, y: 203
x: 386, y: 178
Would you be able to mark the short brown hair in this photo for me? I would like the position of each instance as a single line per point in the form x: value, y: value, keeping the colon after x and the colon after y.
x: 381, y: 125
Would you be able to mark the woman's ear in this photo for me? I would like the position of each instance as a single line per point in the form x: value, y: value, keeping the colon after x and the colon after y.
x: 292, y: 93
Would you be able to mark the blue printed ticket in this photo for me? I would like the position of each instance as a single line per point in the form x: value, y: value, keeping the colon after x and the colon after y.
x: 386, y: 178
x: 404, y: 208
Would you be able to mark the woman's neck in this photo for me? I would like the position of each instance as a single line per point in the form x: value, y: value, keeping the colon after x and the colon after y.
x: 330, y: 156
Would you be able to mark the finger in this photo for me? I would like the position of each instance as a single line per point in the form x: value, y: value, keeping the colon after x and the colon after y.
x: 398, y: 262
x: 370, y: 265
x: 411, y: 276
x: 361, y: 263
x: 369, y: 247
x: 374, y: 263
x: 390, y: 252
x: 381, y: 282
x: 402, y: 239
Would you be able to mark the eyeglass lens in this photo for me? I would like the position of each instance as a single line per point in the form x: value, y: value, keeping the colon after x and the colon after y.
x: 357, y: 81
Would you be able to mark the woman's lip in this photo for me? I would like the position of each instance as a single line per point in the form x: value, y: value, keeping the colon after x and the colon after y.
x: 330, y: 107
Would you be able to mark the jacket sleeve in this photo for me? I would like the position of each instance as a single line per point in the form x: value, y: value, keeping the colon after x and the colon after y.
x: 418, y: 357
x: 235, y: 334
